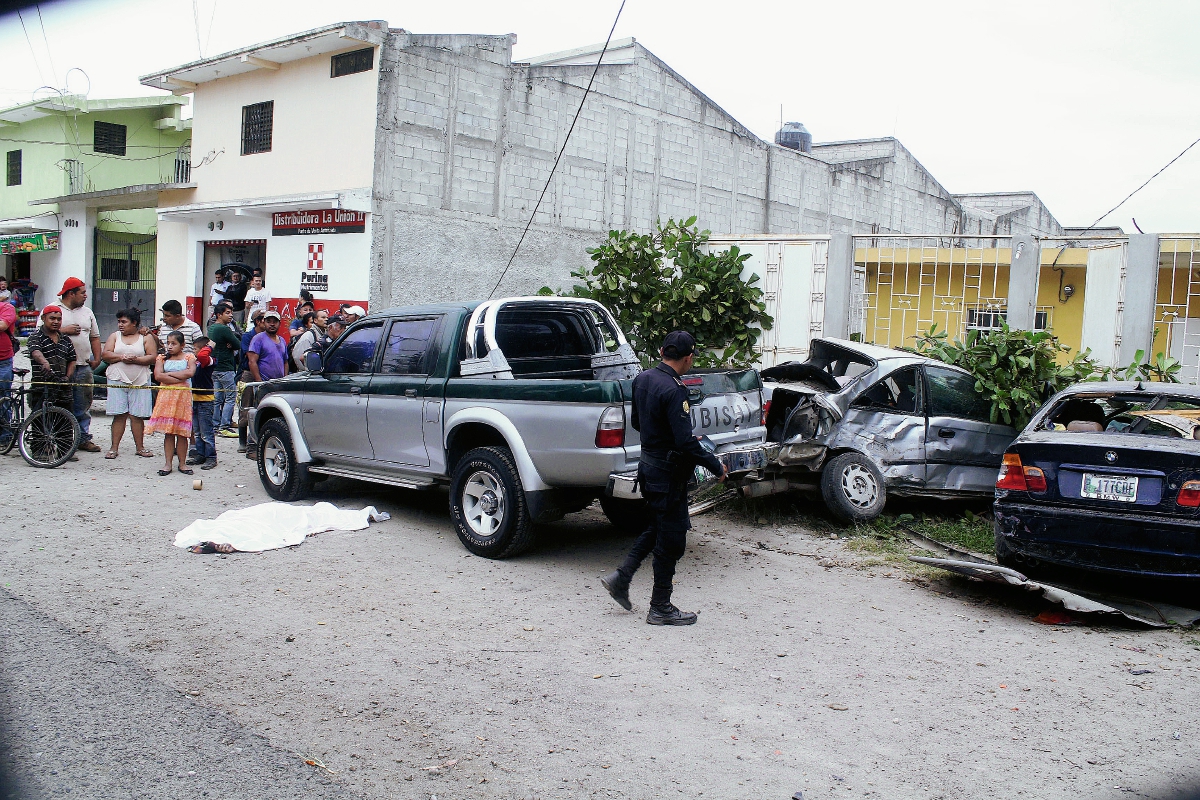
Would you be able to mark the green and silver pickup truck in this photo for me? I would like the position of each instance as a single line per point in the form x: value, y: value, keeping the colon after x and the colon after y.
x: 520, y: 405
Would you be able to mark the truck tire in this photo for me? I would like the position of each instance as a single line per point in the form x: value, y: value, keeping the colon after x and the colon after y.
x: 487, y: 503
x: 853, y: 488
x: 284, y: 478
x: 631, y: 516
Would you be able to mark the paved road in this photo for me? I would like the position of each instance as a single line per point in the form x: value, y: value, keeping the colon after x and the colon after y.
x: 413, y: 669
x: 83, y: 721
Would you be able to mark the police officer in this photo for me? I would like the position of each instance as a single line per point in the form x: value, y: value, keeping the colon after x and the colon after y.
x: 662, y: 416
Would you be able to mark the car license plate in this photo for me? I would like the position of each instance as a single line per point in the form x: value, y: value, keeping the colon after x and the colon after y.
x: 1109, y: 487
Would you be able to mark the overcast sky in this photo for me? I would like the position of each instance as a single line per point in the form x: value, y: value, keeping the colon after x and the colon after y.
x: 1077, y: 101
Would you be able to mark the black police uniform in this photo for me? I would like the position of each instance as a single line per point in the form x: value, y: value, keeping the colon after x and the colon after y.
x: 670, y: 452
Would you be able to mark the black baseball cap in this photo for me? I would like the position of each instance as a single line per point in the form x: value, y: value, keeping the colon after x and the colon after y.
x: 678, y: 344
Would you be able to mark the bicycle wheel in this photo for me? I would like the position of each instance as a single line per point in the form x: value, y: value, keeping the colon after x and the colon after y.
x: 49, y: 437
x: 8, y: 425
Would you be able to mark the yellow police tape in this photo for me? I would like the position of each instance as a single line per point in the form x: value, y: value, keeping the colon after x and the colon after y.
x: 156, y: 387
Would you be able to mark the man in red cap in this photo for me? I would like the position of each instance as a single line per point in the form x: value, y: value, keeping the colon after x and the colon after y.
x: 53, y: 361
x: 79, y: 324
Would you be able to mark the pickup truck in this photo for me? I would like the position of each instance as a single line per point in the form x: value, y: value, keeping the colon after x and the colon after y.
x: 520, y: 405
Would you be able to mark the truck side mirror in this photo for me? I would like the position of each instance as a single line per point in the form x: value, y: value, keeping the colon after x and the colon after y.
x: 312, y: 361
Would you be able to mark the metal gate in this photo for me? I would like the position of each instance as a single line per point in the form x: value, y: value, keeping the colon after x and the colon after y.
x: 1177, y: 308
x: 906, y: 284
x: 124, y: 266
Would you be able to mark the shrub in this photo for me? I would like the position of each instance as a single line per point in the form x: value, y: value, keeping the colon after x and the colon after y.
x: 663, y: 281
x: 1019, y: 370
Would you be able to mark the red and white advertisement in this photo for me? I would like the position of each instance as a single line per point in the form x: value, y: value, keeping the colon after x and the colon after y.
x: 319, y: 221
x: 316, y: 255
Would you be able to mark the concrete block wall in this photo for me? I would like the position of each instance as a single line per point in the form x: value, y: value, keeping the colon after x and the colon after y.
x: 466, y: 139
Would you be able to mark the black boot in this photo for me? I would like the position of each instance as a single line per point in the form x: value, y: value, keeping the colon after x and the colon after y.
x: 618, y: 589
x: 669, y: 615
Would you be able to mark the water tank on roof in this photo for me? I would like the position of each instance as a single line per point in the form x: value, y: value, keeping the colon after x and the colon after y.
x: 795, y: 136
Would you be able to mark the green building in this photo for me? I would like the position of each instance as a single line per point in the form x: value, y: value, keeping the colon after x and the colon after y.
x: 80, y: 185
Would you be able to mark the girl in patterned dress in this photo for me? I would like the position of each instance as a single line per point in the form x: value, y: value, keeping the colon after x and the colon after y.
x: 172, y: 415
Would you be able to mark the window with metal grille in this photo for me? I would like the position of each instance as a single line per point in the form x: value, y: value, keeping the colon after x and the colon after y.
x: 257, y: 121
x: 108, y: 137
x: 350, y: 63
x: 14, y: 167
x: 981, y: 320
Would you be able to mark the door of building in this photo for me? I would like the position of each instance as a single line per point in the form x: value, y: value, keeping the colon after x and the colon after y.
x: 124, y: 266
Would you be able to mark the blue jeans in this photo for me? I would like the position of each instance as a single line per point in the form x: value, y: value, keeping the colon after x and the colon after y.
x: 202, y: 423
x: 81, y: 400
x: 6, y: 376
x: 225, y: 384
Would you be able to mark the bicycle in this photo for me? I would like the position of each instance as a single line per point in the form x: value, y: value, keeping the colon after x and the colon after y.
x: 47, y: 438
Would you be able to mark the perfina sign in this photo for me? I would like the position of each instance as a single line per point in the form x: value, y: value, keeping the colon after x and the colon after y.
x: 322, y: 220
x: 28, y: 243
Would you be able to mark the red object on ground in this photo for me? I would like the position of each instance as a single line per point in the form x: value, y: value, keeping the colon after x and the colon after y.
x: 1055, y: 618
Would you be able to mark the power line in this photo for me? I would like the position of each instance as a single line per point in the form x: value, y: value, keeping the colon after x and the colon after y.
x: 29, y: 41
x: 90, y: 144
x: 562, y: 150
x: 1143, y: 186
x: 208, y: 38
x: 196, y: 23
x: 49, y: 55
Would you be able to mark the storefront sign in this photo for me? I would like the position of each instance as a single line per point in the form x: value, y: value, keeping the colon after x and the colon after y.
x: 28, y: 243
x: 322, y: 220
x: 314, y: 281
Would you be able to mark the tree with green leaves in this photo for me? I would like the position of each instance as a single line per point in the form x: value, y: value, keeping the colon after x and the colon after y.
x: 666, y: 280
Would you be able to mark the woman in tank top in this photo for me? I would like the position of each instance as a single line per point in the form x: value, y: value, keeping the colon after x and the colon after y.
x: 129, y: 356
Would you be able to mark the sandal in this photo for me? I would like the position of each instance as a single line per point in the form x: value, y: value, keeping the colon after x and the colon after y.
x: 212, y: 547
x: 186, y: 472
x: 164, y: 472
x: 146, y: 453
x: 111, y: 454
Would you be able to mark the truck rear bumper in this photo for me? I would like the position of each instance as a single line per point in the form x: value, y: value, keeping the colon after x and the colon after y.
x: 738, y: 460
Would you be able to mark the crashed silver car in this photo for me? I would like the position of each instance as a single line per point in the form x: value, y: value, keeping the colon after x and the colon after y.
x: 866, y: 422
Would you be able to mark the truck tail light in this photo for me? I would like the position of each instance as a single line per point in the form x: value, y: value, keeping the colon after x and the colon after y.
x: 1189, y: 494
x: 1012, y: 475
x: 610, y: 430
x: 1035, y: 479
x: 766, y: 409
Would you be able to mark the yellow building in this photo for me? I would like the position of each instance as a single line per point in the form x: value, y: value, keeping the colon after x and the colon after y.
x: 911, y: 283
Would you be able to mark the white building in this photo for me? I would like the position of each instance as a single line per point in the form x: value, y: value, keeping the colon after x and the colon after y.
x: 283, y: 144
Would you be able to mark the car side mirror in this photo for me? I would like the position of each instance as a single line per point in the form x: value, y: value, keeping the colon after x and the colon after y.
x: 312, y: 361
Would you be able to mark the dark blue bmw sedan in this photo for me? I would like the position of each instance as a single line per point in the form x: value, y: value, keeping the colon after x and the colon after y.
x: 1105, y: 479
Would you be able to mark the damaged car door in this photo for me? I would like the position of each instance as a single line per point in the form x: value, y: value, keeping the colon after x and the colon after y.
x: 963, y: 448
x: 888, y: 421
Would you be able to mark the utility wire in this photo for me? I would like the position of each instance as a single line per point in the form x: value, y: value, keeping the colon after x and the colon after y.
x: 562, y: 150
x: 1143, y: 186
x: 196, y: 23
x: 49, y: 55
x: 29, y: 41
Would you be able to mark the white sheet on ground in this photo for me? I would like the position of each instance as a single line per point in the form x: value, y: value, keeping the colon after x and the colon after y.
x: 268, y: 526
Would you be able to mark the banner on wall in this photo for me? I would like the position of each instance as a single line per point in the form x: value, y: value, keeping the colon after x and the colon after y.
x: 319, y: 221
x: 28, y: 243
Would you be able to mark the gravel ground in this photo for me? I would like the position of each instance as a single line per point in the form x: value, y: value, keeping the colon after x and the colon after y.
x: 412, y: 669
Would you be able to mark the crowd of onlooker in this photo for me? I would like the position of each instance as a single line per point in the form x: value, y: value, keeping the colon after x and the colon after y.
x: 177, y: 379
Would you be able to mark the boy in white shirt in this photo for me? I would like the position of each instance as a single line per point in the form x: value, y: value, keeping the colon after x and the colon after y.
x: 258, y: 298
